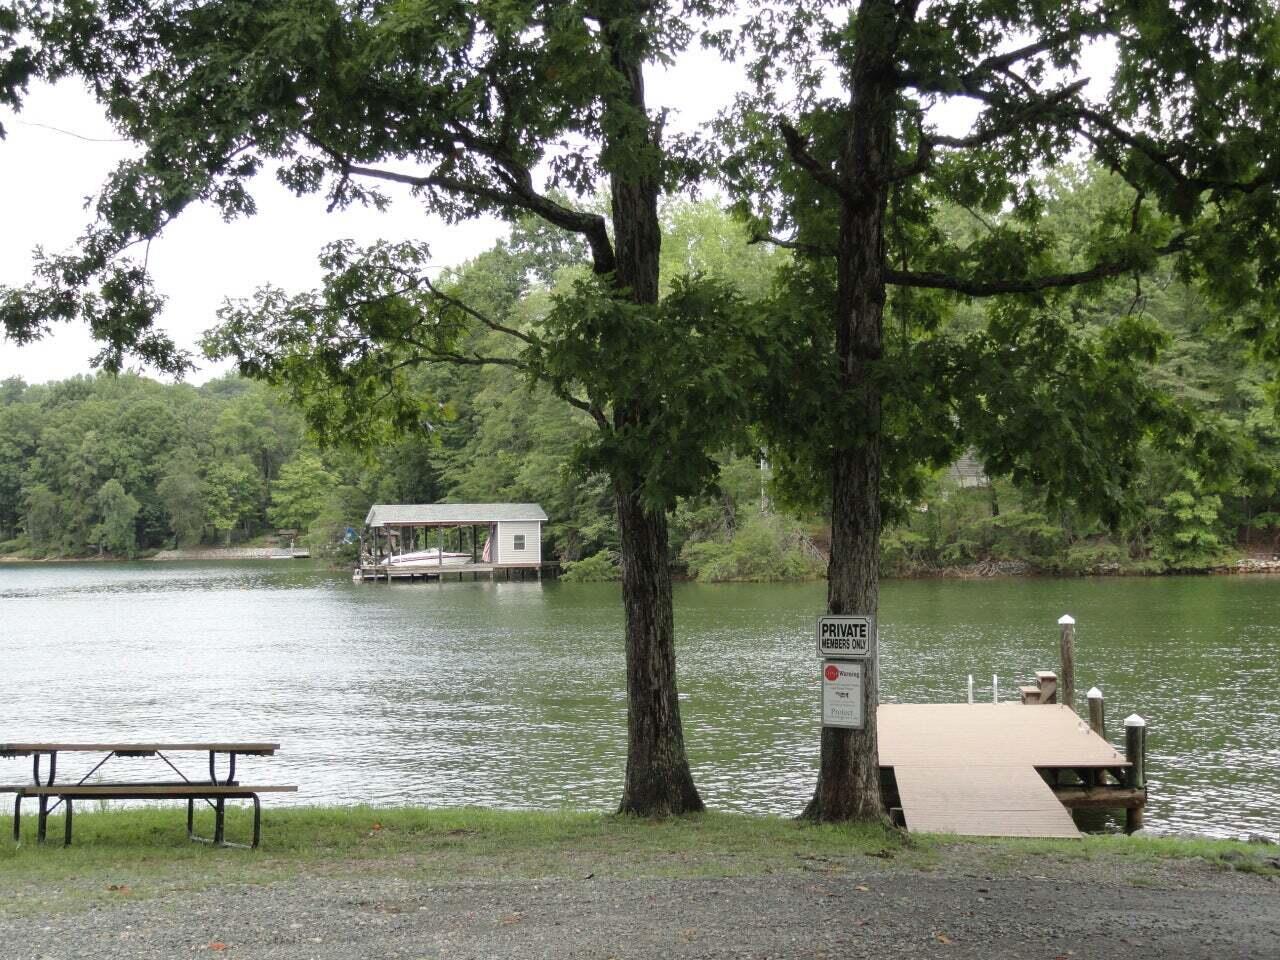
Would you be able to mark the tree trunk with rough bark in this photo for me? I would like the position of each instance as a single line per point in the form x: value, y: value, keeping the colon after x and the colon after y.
x: 848, y: 785
x: 658, y: 779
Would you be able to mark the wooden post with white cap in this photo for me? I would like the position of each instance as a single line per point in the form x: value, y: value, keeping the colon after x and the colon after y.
x: 1097, y: 714
x: 1135, y: 751
x: 1067, y: 655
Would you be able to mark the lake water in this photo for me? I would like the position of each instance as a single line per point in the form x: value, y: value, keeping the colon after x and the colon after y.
x: 511, y: 694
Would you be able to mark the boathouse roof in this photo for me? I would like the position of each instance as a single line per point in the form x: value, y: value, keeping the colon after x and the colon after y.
x: 449, y: 514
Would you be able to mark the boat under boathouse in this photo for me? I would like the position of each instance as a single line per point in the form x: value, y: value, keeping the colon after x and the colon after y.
x: 434, y: 541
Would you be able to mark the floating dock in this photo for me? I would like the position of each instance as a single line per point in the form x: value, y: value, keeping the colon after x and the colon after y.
x: 998, y: 770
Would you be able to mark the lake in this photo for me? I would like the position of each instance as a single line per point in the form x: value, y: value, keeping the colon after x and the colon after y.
x: 511, y: 694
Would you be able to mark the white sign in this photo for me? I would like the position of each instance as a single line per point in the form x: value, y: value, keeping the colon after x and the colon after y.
x: 846, y: 637
x: 842, y: 694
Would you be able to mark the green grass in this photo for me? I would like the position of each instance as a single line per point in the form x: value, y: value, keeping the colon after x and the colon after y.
x: 142, y: 851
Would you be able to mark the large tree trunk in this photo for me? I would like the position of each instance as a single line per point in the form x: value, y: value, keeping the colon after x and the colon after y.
x: 849, y: 770
x: 658, y: 782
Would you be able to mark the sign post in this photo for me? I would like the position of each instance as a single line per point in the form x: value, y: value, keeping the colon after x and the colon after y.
x: 847, y: 646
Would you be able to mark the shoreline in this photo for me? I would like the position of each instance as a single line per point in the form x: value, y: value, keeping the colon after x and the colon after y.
x: 984, y: 570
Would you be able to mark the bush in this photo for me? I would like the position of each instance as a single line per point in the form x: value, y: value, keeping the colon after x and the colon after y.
x: 903, y: 552
x: 1093, y: 557
x: 1187, y: 529
x: 765, y: 548
x: 597, y: 568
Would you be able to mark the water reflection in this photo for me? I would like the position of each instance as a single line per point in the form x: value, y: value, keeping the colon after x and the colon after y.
x: 511, y: 694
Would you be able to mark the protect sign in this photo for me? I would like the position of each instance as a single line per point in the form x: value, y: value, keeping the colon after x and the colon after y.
x: 842, y: 694
x: 846, y: 637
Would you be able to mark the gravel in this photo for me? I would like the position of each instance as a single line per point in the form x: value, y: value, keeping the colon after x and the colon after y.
x: 823, y: 909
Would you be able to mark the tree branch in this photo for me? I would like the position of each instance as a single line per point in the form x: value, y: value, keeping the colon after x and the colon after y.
x: 996, y: 62
x: 476, y: 314
x: 434, y: 355
x: 1012, y: 122
x: 992, y: 288
x: 1167, y: 160
x: 519, y: 194
x: 924, y: 155
x: 800, y: 155
x: 809, y: 249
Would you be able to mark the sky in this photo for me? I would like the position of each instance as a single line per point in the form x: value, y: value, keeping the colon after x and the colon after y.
x: 60, y: 149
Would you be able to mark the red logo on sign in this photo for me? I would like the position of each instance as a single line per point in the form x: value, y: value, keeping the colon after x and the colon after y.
x: 833, y: 672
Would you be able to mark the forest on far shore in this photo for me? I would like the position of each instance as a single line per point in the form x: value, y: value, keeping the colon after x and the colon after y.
x: 124, y: 466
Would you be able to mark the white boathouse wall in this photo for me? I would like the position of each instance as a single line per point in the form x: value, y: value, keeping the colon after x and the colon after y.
x: 508, y: 530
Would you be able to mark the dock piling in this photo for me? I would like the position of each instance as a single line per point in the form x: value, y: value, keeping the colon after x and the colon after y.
x: 1135, y: 751
x: 1097, y: 716
x: 971, y: 688
x: 995, y: 688
x: 1067, y: 652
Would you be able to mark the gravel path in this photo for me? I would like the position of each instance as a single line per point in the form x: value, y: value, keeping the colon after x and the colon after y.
x: 1085, y: 911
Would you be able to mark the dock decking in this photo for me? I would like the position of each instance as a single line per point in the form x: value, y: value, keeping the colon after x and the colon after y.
x: 990, y: 770
x: 460, y: 571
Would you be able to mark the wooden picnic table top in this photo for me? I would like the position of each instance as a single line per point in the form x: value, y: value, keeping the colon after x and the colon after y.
x: 29, y: 748
x: 158, y: 790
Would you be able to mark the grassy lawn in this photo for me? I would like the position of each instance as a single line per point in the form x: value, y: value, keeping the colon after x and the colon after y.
x: 138, y: 851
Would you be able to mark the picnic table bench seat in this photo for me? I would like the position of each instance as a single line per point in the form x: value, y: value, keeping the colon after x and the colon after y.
x: 216, y: 793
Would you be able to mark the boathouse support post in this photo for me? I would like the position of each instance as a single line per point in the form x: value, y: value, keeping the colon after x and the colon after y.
x: 1135, y: 751
x: 1067, y: 655
x: 1097, y: 714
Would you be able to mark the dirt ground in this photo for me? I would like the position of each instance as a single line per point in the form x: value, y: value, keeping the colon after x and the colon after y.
x: 973, y: 903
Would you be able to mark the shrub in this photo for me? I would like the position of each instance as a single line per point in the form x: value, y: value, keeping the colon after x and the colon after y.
x: 1187, y: 529
x: 596, y: 568
x: 766, y: 548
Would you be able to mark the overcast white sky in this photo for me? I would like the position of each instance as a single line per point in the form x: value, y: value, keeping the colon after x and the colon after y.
x: 59, y: 150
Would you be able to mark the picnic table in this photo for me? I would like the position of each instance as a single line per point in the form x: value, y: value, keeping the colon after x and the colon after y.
x: 215, y: 790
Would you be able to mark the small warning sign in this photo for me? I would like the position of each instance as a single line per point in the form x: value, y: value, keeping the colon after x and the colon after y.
x: 842, y: 694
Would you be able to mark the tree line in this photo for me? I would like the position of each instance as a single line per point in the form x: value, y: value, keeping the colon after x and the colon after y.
x: 123, y: 465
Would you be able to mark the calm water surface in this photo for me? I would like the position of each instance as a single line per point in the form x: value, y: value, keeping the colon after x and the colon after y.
x: 511, y: 694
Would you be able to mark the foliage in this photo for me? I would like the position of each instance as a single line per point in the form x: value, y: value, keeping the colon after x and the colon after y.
x: 299, y: 493
x: 186, y: 457
x: 766, y: 547
x: 117, y: 512
x: 598, y: 567
x: 1186, y: 535
x: 181, y: 491
x: 44, y: 519
x: 17, y: 62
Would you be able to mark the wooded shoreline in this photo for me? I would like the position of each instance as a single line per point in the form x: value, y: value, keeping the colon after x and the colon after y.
x: 1249, y: 566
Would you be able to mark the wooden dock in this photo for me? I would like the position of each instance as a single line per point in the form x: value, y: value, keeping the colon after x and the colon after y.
x: 463, y: 571
x: 998, y: 770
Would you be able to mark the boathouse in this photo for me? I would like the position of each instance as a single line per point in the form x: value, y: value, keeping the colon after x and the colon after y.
x: 411, y: 540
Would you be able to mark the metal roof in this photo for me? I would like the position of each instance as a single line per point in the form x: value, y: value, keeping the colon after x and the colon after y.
x: 449, y: 514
